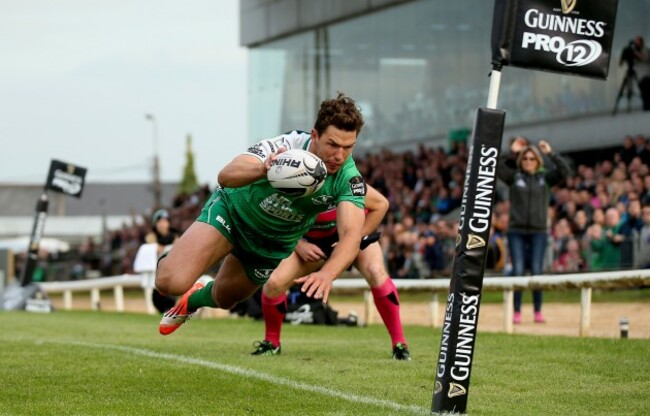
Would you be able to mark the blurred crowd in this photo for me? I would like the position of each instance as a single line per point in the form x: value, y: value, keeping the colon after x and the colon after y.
x: 598, y: 218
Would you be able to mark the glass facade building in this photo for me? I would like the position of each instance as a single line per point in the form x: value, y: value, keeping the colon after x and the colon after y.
x: 418, y: 70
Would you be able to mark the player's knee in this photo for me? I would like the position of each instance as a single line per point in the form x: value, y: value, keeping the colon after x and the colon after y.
x: 375, y: 274
x: 225, y: 303
x: 170, y: 281
x: 274, y: 288
x: 225, y: 299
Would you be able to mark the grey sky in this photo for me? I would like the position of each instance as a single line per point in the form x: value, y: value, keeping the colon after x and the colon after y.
x: 77, y: 78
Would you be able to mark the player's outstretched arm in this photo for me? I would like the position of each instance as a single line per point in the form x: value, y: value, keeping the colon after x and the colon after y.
x: 349, y: 222
x: 245, y: 169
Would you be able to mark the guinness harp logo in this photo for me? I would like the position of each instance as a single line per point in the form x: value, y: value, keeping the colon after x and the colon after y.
x: 70, y: 169
x: 568, y: 5
x: 458, y: 239
x: 456, y: 390
x: 438, y: 387
x: 474, y: 241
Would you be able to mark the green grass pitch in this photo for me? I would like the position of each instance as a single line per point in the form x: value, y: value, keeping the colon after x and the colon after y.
x: 99, y: 363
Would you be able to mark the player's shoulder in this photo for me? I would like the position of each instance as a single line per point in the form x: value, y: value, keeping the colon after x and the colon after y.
x: 349, y: 178
x: 295, y: 139
x: 349, y: 170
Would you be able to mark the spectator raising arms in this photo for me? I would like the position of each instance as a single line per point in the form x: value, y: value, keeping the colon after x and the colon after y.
x: 529, y: 179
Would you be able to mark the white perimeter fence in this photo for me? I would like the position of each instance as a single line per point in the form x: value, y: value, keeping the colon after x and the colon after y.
x: 583, y: 281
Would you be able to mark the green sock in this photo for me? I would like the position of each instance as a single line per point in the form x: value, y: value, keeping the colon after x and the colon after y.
x: 202, y: 297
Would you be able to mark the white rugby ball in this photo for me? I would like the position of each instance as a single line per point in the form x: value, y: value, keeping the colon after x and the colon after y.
x: 297, y: 172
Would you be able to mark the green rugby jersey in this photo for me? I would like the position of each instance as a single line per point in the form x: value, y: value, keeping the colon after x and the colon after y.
x: 261, y: 211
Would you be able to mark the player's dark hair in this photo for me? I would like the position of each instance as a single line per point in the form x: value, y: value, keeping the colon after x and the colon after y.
x: 341, y: 112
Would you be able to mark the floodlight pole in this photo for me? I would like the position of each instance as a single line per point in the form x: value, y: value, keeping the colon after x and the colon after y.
x: 157, y: 191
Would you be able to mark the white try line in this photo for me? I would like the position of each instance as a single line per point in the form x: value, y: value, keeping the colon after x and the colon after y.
x: 244, y: 372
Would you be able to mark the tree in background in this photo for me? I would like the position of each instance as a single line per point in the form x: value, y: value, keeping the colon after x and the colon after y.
x: 189, y: 183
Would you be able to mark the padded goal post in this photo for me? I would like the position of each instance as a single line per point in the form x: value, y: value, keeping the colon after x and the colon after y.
x: 461, y: 314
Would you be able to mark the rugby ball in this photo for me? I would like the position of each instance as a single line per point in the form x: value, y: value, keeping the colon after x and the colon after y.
x: 297, y: 173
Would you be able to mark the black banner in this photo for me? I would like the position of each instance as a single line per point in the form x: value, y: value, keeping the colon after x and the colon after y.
x: 567, y: 36
x: 66, y: 178
x: 461, y: 314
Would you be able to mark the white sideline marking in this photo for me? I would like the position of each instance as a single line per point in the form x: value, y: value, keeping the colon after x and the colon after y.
x: 256, y: 375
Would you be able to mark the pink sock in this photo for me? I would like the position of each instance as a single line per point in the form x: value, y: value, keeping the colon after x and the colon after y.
x: 387, y: 303
x: 274, y: 310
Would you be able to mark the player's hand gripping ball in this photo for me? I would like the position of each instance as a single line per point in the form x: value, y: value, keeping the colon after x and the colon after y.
x: 297, y: 172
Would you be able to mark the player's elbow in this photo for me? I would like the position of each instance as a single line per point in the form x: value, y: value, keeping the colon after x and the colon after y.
x: 229, y: 178
x: 383, y: 205
x: 224, y: 179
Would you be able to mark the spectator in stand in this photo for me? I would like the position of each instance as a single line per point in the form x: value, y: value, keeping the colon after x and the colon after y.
x: 561, y: 235
x: 579, y: 223
x: 433, y: 253
x: 164, y: 235
x: 642, y: 240
x: 594, y: 230
x: 587, y: 176
x: 445, y: 202
x: 584, y: 200
x: 645, y: 196
x: 496, y: 248
x: 161, y: 232
x: 529, y: 181
x: 571, y: 260
x: 598, y: 217
x: 631, y: 223
x: 641, y: 148
x: 606, y: 243
x: 408, y: 269
x: 629, y: 151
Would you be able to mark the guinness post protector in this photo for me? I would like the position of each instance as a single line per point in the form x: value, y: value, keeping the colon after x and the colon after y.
x: 64, y: 178
x: 454, y: 363
x: 567, y: 36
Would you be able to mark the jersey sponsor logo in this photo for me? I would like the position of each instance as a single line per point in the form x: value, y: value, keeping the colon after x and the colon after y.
x: 358, y: 186
x: 279, y: 206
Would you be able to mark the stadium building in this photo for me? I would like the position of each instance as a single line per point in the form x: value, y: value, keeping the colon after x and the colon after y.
x: 419, y: 70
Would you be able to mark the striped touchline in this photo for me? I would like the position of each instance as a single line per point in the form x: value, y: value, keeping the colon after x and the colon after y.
x: 243, y: 372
